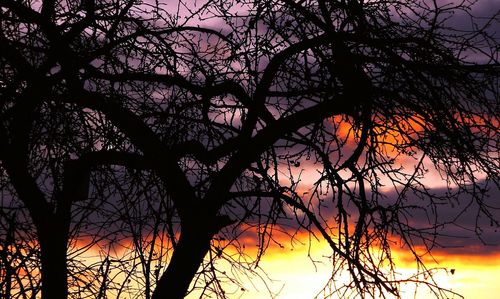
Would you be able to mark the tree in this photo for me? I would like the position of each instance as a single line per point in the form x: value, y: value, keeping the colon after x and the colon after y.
x: 185, y: 126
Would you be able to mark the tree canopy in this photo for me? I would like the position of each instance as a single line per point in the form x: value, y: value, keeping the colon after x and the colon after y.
x: 173, y: 130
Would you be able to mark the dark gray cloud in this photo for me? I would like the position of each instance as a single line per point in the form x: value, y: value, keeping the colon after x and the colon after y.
x: 464, y: 225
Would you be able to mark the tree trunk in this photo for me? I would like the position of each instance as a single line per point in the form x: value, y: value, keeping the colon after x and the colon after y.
x: 53, y: 249
x: 188, y: 255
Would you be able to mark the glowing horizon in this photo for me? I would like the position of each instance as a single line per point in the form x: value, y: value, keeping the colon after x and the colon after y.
x: 294, y: 275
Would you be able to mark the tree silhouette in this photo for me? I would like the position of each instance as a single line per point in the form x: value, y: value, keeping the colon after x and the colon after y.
x: 173, y: 129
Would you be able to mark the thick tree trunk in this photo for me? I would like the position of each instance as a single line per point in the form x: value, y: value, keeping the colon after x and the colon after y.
x: 53, y: 232
x: 53, y: 249
x: 192, y: 247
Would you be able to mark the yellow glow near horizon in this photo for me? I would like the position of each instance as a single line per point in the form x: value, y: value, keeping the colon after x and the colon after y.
x: 295, y: 276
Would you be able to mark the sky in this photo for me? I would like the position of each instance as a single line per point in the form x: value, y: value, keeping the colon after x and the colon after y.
x: 300, y: 269
x: 464, y: 265
x: 476, y: 266
x: 295, y: 276
x: 467, y: 267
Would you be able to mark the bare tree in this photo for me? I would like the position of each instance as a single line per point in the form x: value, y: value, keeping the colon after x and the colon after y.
x: 172, y: 129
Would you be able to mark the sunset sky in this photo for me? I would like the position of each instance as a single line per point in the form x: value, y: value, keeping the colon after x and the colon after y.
x: 476, y: 265
x: 475, y: 262
x: 187, y: 177
x: 475, y: 276
x: 463, y: 265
